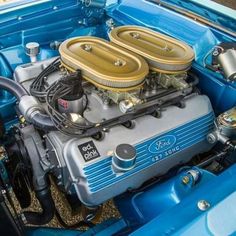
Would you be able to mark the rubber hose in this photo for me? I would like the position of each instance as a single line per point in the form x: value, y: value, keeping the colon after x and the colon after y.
x: 194, y: 78
x: 13, y: 87
x: 39, y: 119
x: 48, y: 209
x: 42, y: 121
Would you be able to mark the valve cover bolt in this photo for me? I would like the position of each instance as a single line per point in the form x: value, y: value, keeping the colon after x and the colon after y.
x: 203, y: 205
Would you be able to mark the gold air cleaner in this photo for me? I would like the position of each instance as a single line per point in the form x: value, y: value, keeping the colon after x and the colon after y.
x: 103, y: 63
x: 163, y: 54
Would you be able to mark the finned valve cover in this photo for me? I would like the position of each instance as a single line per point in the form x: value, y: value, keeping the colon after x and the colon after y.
x: 103, y: 63
x: 126, y: 158
x: 163, y: 53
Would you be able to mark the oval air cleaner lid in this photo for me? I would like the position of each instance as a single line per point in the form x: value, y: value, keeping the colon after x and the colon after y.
x: 103, y: 63
x: 163, y: 53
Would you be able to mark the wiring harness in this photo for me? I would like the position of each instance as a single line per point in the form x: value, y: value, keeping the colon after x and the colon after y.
x: 66, y: 86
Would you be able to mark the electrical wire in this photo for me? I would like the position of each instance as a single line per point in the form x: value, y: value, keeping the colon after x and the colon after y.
x: 61, y: 121
x: 66, y: 86
x: 38, y: 88
x: 50, y: 94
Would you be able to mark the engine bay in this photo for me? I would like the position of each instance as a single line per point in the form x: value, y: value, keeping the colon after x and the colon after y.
x: 108, y: 106
x: 118, y: 116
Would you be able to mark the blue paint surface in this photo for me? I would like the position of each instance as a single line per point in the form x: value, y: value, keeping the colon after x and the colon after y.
x: 218, y: 219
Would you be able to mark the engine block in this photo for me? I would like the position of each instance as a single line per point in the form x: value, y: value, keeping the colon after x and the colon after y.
x: 160, y: 144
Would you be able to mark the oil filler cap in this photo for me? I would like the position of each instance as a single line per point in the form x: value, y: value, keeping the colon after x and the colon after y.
x: 124, y: 157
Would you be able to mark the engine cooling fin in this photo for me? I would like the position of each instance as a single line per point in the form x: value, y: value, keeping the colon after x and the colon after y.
x: 163, y: 54
x: 103, y: 63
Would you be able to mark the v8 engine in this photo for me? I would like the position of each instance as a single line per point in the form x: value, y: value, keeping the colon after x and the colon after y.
x: 116, y: 117
x: 124, y: 111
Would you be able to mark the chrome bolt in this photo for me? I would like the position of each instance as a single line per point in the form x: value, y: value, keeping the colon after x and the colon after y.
x: 55, y: 45
x: 118, y: 62
x: 211, y: 138
x: 87, y: 47
x: 110, y: 23
x: 185, y: 180
x: 203, y: 205
x: 136, y: 35
x: 215, y: 53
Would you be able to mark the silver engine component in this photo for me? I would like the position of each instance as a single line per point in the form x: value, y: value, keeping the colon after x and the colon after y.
x: 227, y: 60
x: 227, y: 123
x: 99, y: 170
x: 32, y: 49
x: 225, y: 128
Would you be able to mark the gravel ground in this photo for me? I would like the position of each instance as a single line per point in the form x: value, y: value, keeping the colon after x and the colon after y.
x: 107, y: 211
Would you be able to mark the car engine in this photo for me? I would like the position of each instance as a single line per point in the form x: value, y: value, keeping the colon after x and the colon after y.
x: 119, y: 111
x: 116, y: 127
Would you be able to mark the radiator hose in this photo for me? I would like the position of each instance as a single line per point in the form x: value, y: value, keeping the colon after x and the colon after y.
x: 28, y: 105
x: 48, y: 209
x: 36, y: 153
x: 11, y: 86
